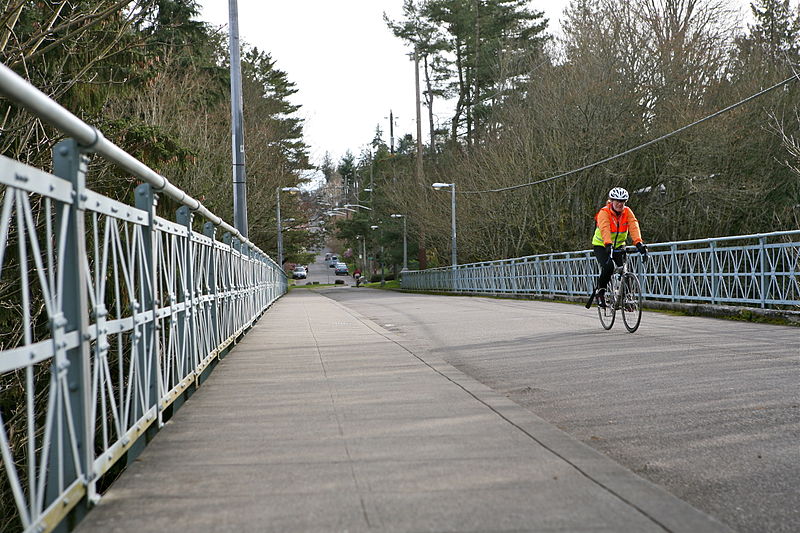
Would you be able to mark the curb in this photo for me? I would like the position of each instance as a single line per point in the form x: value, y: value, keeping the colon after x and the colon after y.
x: 653, y: 501
x: 731, y: 312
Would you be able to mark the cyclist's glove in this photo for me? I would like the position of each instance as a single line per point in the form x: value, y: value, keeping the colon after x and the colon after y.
x: 642, y: 250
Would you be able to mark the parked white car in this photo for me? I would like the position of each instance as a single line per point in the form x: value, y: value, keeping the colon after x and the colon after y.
x: 299, y: 272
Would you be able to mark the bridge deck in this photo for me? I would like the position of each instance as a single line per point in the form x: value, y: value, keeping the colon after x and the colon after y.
x: 320, y: 421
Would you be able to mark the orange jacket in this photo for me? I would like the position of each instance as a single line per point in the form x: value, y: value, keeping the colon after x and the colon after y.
x: 613, y: 228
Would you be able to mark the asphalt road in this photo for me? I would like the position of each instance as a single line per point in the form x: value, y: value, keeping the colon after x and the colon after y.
x: 320, y: 272
x: 708, y: 409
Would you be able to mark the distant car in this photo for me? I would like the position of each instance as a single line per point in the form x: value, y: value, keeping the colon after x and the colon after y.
x: 299, y: 272
x: 341, y: 269
x: 333, y: 261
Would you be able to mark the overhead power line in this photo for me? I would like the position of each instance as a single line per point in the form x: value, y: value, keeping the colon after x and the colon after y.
x: 641, y: 146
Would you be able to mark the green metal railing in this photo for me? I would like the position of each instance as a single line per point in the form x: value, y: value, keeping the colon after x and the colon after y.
x: 756, y: 270
x: 111, y: 311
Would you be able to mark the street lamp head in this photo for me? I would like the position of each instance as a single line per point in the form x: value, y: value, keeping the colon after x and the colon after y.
x: 440, y: 186
x: 374, y: 227
x: 396, y: 216
x: 290, y: 189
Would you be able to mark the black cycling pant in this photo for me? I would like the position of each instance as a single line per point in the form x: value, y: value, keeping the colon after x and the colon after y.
x: 607, y: 269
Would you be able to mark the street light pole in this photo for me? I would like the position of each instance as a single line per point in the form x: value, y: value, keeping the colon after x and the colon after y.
x: 453, y: 222
x: 391, y: 132
x: 382, y: 261
x: 452, y: 187
x: 405, y: 241
x: 237, y: 137
x: 364, y: 254
x: 280, y: 229
x: 278, y: 213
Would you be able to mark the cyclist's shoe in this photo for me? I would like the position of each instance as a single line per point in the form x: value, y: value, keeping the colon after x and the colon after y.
x: 601, y: 298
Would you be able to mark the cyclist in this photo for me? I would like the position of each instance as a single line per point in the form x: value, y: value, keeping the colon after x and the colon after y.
x: 614, y: 222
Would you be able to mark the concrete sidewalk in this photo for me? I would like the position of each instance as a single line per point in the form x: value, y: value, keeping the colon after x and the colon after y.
x: 320, y: 420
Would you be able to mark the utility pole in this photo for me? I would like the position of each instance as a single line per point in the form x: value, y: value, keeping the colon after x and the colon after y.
x: 371, y: 175
x: 419, y: 118
x: 421, y: 251
x: 280, y: 226
x: 391, y: 132
x: 237, y: 141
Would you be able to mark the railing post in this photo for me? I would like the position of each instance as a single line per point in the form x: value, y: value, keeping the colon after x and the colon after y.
x: 714, y: 272
x: 762, y: 252
x: 236, y: 285
x: 226, y: 286
x: 642, y: 275
x: 514, y: 273
x: 187, y: 321
x: 674, y: 278
x: 73, y: 364
x: 210, y: 231
x: 571, y: 276
x: 147, y: 339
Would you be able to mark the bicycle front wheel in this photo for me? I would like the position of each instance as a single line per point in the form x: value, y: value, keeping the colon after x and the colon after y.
x: 631, y: 304
x: 608, y: 313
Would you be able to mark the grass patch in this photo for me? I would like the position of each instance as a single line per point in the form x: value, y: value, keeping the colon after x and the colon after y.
x: 311, y: 286
x: 719, y: 312
x: 394, y: 284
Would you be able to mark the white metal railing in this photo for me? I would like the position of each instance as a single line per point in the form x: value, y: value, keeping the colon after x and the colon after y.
x: 761, y: 270
x: 111, y: 313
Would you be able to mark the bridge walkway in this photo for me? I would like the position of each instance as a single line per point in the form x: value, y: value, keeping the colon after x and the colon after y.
x: 321, y: 420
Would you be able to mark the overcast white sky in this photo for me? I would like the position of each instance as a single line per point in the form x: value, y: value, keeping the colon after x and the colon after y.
x: 348, y: 67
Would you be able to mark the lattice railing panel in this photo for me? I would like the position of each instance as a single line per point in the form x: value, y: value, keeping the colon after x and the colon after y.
x: 109, y: 313
x: 759, y: 270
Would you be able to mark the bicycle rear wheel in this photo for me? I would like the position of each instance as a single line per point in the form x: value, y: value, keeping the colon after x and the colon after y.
x: 608, y: 313
x: 631, y: 304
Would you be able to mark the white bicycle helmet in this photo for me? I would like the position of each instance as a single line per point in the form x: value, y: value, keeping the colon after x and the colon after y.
x: 618, y: 193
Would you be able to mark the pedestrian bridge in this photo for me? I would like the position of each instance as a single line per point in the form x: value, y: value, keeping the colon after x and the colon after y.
x: 321, y: 420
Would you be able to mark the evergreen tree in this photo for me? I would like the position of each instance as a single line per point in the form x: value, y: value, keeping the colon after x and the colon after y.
x: 491, y: 42
x: 347, y: 170
x: 278, y: 113
x: 427, y: 40
x: 776, y: 31
x: 327, y: 168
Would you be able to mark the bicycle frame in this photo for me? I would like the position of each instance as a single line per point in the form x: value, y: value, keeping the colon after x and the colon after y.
x: 623, y: 294
x: 616, y: 279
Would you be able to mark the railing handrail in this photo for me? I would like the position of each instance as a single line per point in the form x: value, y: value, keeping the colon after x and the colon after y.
x: 758, y: 269
x: 649, y: 245
x: 120, y: 312
x: 91, y: 139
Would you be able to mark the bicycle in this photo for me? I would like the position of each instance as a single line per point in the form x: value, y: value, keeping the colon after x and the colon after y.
x: 624, y: 293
